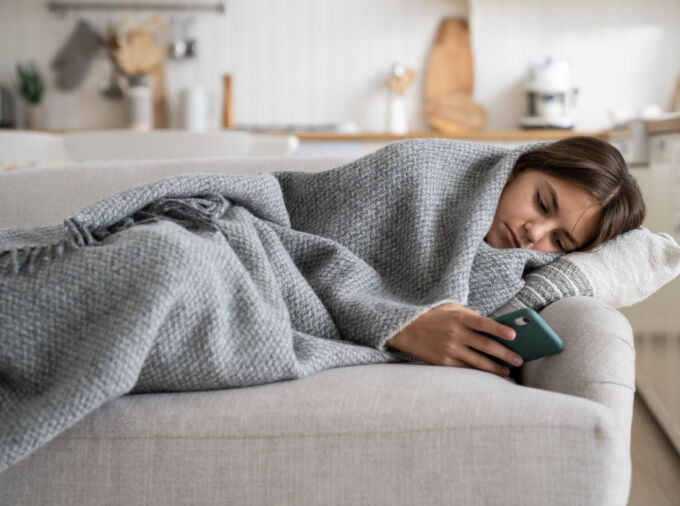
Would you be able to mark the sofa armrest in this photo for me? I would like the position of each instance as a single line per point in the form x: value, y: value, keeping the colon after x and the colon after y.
x: 597, y: 363
x: 598, y: 360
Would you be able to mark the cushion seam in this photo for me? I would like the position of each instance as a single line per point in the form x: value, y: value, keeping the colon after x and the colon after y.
x: 339, y: 434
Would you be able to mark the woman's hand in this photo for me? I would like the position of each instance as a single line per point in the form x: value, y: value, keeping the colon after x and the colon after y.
x: 448, y: 335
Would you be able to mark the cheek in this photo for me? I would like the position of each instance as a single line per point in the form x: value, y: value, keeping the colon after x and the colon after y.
x: 516, y: 198
x: 545, y: 246
x: 504, y: 205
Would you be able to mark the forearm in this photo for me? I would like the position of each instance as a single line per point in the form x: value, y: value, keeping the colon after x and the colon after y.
x: 547, y: 284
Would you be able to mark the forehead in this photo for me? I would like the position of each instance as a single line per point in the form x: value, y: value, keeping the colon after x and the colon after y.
x: 569, y: 190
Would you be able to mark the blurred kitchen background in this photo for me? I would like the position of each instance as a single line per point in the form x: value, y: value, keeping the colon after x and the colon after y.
x: 325, y: 62
x: 344, y: 77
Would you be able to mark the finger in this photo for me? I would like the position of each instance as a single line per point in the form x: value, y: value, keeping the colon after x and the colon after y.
x: 490, y: 326
x: 483, y: 363
x: 454, y: 362
x: 487, y: 345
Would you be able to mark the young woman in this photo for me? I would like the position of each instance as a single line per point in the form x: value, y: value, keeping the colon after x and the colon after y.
x: 213, y: 281
x: 571, y: 195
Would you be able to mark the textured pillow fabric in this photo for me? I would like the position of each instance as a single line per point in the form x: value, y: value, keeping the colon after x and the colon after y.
x: 621, y: 272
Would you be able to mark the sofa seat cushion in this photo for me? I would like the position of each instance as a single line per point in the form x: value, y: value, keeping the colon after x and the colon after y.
x: 347, y: 400
x: 376, y: 427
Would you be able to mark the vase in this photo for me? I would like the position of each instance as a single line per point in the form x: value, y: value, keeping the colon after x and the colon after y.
x: 397, y: 121
x: 34, y: 116
x: 139, y: 104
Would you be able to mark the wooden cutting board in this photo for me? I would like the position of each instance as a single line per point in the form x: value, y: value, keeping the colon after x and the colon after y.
x: 449, y: 80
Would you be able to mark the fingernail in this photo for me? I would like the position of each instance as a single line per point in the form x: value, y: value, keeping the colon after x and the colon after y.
x: 517, y: 361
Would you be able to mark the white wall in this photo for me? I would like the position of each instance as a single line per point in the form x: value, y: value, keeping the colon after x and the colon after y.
x: 623, y: 53
x: 313, y: 61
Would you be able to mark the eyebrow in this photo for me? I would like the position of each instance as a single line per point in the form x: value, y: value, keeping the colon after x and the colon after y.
x: 553, y: 195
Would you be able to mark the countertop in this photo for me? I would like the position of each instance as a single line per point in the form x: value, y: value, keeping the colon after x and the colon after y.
x: 509, y: 135
x: 652, y: 127
x: 669, y: 123
x: 663, y: 125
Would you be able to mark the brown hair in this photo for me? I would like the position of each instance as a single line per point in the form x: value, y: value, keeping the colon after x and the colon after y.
x: 599, y: 168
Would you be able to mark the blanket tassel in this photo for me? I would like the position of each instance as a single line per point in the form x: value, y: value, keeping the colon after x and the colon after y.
x: 196, y: 212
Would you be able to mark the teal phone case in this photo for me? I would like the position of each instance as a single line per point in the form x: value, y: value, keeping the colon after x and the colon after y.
x: 534, y: 338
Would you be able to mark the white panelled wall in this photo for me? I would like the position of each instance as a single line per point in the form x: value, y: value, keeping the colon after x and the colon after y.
x: 623, y: 53
x: 314, y: 61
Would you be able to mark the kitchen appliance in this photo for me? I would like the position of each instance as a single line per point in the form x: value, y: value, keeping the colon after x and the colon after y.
x: 8, y: 118
x: 551, y: 99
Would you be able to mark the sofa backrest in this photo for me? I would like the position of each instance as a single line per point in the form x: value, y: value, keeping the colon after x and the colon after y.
x: 48, y: 195
x: 25, y: 148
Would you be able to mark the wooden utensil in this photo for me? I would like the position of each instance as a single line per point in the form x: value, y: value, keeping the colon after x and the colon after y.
x: 159, y: 106
x: 227, y: 108
x: 449, y: 80
x: 400, y: 84
x: 138, y: 53
x: 458, y: 108
x: 675, y: 99
x: 449, y: 66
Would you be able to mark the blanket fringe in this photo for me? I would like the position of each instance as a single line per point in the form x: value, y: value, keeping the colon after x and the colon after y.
x: 196, y: 213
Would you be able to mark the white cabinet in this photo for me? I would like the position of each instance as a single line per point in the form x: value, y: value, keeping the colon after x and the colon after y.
x: 675, y: 197
x: 660, y: 186
x: 656, y: 320
x: 665, y: 172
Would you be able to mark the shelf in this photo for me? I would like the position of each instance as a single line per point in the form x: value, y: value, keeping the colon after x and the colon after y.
x: 62, y: 7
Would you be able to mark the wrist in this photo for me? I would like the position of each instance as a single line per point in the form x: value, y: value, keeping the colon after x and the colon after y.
x: 393, y: 341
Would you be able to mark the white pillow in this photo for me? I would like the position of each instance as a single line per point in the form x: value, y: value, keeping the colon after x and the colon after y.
x: 630, y: 267
x: 621, y: 272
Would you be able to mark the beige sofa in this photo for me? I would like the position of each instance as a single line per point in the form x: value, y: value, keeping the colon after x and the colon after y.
x: 379, y: 434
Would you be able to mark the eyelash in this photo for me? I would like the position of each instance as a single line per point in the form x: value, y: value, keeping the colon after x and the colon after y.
x: 545, y: 210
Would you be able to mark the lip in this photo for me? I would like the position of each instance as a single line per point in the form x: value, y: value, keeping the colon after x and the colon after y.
x: 513, y: 240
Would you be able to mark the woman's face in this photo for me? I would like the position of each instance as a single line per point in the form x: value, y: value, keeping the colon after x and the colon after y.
x: 537, y: 221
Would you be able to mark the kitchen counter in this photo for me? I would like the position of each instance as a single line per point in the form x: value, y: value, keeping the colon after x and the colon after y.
x: 660, y: 126
x: 634, y: 137
x: 501, y: 135
x: 664, y: 125
x: 359, y: 144
x: 482, y: 135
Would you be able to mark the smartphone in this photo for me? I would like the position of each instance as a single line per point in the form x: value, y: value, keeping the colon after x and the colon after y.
x: 534, y: 338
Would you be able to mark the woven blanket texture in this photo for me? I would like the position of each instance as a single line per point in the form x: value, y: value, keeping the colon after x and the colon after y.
x: 215, y: 281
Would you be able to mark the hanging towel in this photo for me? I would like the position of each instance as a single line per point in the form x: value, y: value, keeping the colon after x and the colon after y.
x: 75, y: 57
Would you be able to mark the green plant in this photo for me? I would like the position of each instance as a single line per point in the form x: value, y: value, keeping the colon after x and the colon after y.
x: 31, y: 85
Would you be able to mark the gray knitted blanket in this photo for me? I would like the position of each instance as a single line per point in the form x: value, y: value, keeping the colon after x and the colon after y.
x: 219, y: 281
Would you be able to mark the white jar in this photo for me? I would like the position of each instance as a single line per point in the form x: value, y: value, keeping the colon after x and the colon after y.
x: 397, y: 121
x: 139, y: 104
x: 195, y: 106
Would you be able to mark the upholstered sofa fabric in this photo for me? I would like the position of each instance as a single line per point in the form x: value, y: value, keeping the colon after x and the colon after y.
x: 376, y: 434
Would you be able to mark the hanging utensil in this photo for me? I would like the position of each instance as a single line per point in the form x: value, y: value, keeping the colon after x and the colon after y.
x: 110, y: 87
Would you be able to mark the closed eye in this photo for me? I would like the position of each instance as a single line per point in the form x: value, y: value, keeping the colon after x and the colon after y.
x: 558, y: 243
x: 540, y: 203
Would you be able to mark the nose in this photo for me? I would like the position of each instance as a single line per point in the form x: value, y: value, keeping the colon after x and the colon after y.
x: 536, y: 231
